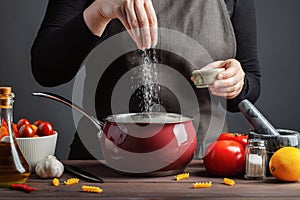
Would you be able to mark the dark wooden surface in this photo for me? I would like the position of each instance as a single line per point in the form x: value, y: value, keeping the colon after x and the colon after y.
x: 123, y: 187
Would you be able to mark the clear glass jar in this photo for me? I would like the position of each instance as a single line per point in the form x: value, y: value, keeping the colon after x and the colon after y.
x: 255, y: 159
x: 13, y: 166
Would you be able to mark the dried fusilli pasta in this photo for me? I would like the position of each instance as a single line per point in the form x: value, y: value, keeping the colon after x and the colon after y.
x: 55, y: 182
x: 87, y: 188
x: 228, y: 181
x: 182, y: 176
x: 71, y: 181
x: 202, y: 184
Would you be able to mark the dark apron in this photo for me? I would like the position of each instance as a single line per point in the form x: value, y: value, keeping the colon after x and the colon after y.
x: 192, y: 33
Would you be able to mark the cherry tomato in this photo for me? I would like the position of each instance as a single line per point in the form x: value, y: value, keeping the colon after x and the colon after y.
x: 34, y: 127
x: 15, y: 129
x: 224, y: 158
x: 45, y: 128
x: 37, y: 122
x: 3, y: 132
x: 3, y: 122
x: 26, y: 131
x: 21, y: 122
x: 241, y: 138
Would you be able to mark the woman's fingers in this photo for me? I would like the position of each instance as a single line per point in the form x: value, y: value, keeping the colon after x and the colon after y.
x: 141, y: 22
x: 125, y: 23
x: 137, y: 16
x: 152, y: 19
x: 133, y: 23
x: 230, y: 82
x: 229, y: 92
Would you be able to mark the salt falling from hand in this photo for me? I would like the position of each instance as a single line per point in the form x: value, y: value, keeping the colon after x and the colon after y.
x: 147, y: 82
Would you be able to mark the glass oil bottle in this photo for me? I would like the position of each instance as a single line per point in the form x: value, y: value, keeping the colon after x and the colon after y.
x: 13, y: 166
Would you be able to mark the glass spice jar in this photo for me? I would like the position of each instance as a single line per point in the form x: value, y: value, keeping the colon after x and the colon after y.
x: 255, y: 159
x: 13, y: 166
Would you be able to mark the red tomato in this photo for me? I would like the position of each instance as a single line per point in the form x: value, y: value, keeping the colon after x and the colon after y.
x: 45, y: 128
x: 241, y: 138
x: 26, y: 131
x: 224, y: 158
x: 21, y: 122
x: 37, y: 122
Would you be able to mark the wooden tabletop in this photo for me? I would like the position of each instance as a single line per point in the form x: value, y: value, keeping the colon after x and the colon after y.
x: 120, y: 187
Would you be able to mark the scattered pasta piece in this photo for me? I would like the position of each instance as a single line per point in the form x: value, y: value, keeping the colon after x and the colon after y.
x: 202, y: 184
x: 55, y: 182
x: 182, y: 176
x: 71, y: 181
x: 228, y: 181
x: 87, y: 188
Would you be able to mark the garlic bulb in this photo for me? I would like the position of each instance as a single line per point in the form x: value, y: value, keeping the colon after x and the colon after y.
x: 49, y: 167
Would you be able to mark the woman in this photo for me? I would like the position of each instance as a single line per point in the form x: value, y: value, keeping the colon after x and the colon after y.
x: 226, y: 29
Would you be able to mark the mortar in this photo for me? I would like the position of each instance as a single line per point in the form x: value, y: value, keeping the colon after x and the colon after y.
x: 274, y: 142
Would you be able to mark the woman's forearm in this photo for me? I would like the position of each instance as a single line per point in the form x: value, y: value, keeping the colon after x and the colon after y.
x: 62, y: 43
x: 244, y: 24
x: 94, y: 20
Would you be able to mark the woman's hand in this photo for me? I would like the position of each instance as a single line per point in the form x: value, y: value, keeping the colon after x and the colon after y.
x: 230, y: 82
x: 137, y: 16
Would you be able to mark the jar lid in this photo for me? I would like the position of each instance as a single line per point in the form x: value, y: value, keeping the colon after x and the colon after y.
x: 257, y: 142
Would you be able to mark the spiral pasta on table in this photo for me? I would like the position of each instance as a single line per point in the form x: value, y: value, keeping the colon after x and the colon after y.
x: 71, y: 181
x: 202, y: 184
x: 95, y: 189
x: 55, y: 182
x: 228, y: 181
x: 182, y: 176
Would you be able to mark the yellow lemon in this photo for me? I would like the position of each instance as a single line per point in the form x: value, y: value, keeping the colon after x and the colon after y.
x: 285, y: 164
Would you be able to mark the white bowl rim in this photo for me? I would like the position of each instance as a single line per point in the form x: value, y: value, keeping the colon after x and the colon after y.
x: 40, y: 137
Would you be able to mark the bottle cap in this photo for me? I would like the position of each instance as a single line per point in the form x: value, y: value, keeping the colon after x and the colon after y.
x: 5, y: 90
x: 6, y: 96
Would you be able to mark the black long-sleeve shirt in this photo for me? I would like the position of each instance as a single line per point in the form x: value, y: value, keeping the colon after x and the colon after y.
x: 63, y: 42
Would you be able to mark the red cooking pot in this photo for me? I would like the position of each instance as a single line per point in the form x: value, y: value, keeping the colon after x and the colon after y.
x: 148, y: 143
x: 143, y: 144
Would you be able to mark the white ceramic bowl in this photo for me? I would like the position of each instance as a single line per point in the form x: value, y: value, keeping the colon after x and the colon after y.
x: 36, y: 148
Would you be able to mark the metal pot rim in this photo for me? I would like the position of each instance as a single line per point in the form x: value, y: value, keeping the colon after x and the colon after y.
x: 149, y: 117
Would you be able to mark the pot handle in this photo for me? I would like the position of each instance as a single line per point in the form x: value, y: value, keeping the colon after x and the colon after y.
x: 67, y: 102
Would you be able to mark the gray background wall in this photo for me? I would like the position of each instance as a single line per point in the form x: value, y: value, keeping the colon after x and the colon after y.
x: 278, y: 47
